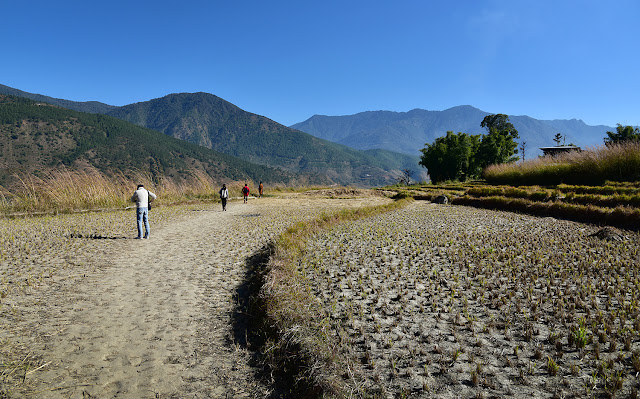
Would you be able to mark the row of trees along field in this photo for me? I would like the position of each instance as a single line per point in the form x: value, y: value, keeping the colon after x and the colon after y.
x: 461, y: 156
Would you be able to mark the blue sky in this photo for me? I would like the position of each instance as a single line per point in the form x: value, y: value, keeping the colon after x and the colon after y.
x: 289, y: 60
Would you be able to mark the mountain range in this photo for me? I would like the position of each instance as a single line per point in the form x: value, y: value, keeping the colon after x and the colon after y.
x: 93, y: 107
x: 36, y: 137
x: 211, y: 122
x: 407, y: 132
x: 366, y: 149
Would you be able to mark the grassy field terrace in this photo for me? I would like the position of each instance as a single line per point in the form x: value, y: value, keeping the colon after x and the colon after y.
x: 613, y: 204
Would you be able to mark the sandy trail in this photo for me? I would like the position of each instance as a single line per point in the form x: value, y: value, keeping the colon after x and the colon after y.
x: 157, y: 322
x: 127, y: 318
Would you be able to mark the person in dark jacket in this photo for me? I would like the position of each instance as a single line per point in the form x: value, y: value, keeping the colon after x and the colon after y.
x: 224, y: 195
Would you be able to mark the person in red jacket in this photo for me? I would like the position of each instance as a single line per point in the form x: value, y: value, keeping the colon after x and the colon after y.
x: 245, y: 192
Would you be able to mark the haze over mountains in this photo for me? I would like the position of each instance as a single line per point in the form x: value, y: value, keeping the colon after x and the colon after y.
x: 407, y: 132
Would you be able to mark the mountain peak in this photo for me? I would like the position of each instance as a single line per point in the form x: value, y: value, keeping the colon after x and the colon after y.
x: 464, y: 108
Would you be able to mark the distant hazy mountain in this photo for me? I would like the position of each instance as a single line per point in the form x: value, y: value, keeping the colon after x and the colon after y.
x: 93, y: 107
x: 35, y: 137
x: 407, y: 132
x: 212, y: 122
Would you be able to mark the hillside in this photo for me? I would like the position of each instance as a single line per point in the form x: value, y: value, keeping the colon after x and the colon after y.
x: 210, y: 121
x: 407, y: 132
x: 36, y: 136
x: 93, y: 107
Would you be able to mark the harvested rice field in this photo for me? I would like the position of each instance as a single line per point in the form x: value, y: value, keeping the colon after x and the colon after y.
x: 456, y: 302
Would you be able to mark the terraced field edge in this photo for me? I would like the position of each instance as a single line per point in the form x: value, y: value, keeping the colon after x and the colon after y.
x: 298, y: 347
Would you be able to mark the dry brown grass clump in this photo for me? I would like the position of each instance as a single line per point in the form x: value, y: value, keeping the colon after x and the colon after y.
x: 65, y: 190
x: 617, y: 162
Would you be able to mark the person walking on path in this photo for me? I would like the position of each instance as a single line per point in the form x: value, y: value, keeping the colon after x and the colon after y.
x: 142, y: 197
x: 224, y: 194
x: 260, y: 188
x: 245, y: 192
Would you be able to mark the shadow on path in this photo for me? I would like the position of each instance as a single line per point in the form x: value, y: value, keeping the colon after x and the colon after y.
x: 97, y: 237
x: 280, y: 368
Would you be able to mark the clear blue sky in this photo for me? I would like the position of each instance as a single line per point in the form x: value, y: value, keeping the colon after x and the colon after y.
x: 289, y: 60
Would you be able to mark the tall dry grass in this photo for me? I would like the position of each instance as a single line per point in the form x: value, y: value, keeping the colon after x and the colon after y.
x: 594, y: 166
x: 65, y: 190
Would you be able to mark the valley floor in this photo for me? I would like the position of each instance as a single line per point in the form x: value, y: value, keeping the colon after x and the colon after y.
x: 110, y: 316
x: 428, y: 301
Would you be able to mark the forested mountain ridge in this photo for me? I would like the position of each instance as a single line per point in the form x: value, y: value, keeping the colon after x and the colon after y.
x: 210, y: 121
x: 37, y: 136
x: 93, y: 107
x: 407, y: 132
x: 402, y: 132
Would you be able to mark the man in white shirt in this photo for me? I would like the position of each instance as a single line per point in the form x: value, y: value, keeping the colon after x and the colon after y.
x: 142, y: 197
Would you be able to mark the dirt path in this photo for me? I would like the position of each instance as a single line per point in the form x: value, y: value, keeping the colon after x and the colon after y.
x: 154, y: 318
x: 156, y: 323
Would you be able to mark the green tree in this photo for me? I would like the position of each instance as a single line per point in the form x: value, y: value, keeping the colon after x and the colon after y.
x: 499, y: 122
x: 499, y: 145
x: 622, y: 134
x: 451, y: 157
